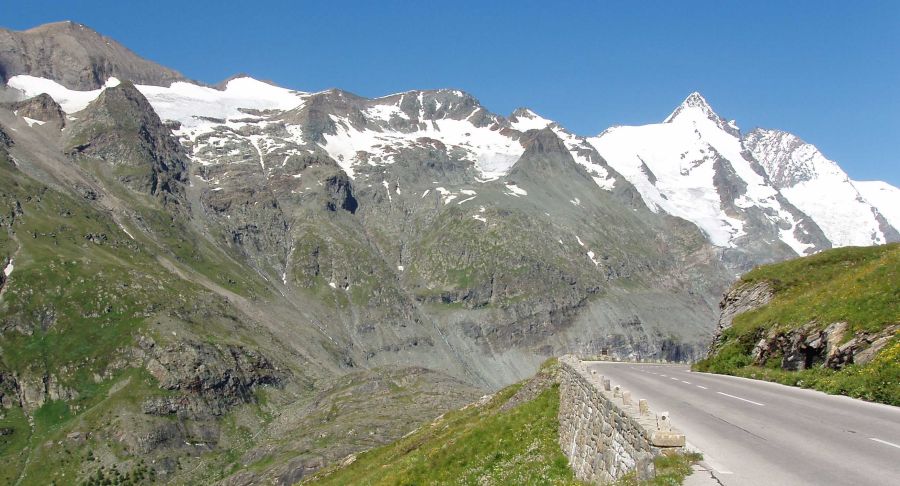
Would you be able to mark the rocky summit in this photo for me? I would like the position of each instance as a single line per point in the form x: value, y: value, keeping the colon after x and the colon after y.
x: 244, y: 283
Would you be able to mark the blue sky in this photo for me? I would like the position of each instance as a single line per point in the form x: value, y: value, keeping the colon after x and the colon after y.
x: 828, y: 71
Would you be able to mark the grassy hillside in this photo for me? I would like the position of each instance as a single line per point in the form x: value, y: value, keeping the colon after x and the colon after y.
x: 509, y: 438
x: 859, y: 286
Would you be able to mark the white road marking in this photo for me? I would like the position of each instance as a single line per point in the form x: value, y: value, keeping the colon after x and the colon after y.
x: 885, y: 442
x: 673, y: 378
x: 663, y: 376
x: 701, y: 386
x: 686, y: 382
x: 743, y: 399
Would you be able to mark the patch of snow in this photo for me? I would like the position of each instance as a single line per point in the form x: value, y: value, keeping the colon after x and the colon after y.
x: 575, y: 201
x: 885, y: 198
x: 387, y: 188
x: 9, y: 268
x: 332, y: 285
x: 467, y: 192
x: 530, y: 121
x: 32, y: 122
x: 492, y: 152
x: 400, y: 267
x: 515, y: 190
x: 479, y: 218
x: 184, y: 102
x: 578, y: 147
x: 70, y: 100
x: 125, y: 230
x: 446, y: 196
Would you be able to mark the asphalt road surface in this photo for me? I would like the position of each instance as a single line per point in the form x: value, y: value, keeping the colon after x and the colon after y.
x: 758, y: 433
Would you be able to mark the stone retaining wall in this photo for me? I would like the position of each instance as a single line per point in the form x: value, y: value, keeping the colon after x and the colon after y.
x: 605, y: 432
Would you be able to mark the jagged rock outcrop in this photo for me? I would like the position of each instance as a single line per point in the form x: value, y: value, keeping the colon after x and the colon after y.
x: 30, y: 391
x: 209, y: 379
x: 122, y: 130
x: 739, y: 299
x: 810, y: 346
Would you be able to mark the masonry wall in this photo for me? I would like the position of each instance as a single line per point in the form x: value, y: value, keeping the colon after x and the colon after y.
x: 605, y: 434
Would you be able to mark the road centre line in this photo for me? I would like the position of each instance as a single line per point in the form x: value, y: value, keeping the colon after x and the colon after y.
x: 885, y: 442
x: 742, y: 399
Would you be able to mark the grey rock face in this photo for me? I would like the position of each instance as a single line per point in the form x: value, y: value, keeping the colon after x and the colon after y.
x: 782, y: 170
x: 76, y: 57
x: 738, y: 300
x: 210, y: 378
x: 31, y: 391
x: 121, y: 129
x: 809, y: 346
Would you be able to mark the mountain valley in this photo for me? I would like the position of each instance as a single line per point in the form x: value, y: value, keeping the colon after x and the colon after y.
x: 244, y: 283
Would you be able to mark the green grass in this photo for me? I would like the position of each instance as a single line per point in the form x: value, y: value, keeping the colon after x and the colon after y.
x: 475, y: 445
x: 483, y: 445
x: 670, y: 471
x: 860, y: 286
x: 13, y: 443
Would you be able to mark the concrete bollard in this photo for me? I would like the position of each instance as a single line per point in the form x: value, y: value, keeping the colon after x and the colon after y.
x: 643, y: 406
x: 605, y: 384
x: 626, y: 397
x: 662, y: 421
x: 617, y: 391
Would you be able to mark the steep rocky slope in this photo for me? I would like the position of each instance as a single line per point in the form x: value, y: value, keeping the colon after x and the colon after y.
x: 75, y: 56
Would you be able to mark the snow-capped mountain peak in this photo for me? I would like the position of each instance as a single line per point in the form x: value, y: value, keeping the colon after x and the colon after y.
x: 694, y: 108
x: 694, y: 166
x: 523, y: 119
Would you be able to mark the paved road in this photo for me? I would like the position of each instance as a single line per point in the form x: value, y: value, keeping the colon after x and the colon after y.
x: 758, y: 433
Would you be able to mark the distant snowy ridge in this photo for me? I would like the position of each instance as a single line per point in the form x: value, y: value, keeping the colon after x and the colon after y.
x: 695, y: 165
x: 818, y: 187
x: 679, y: 165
